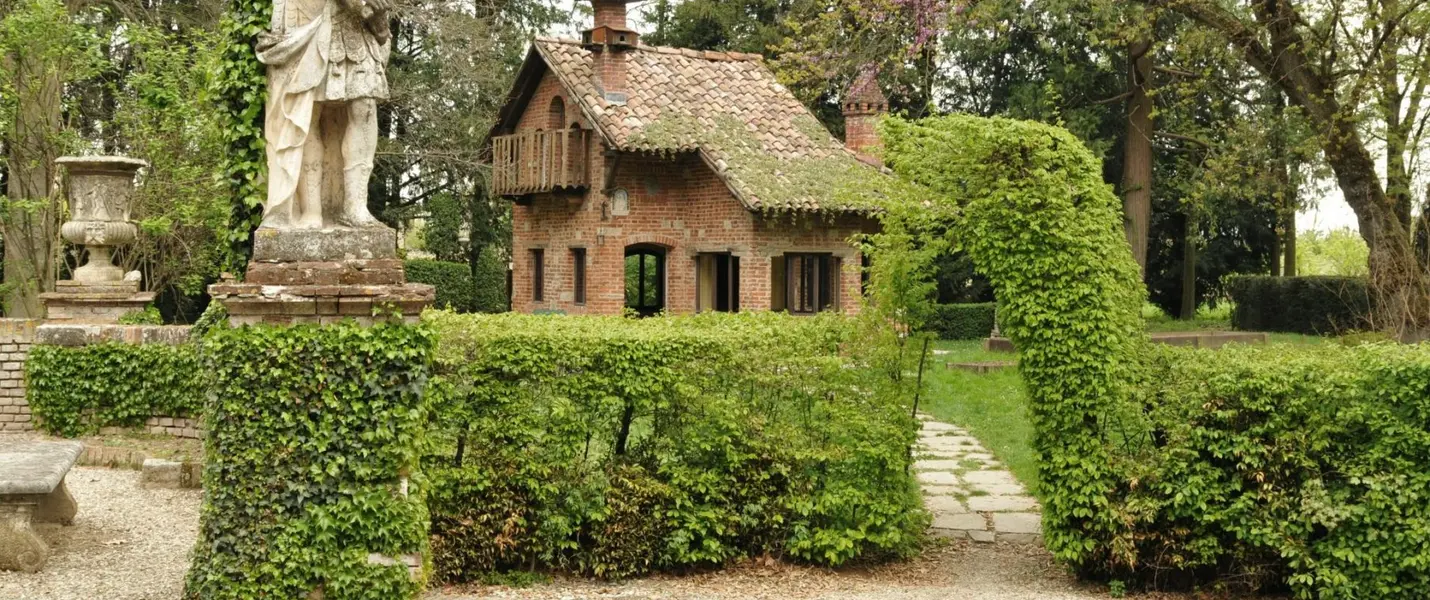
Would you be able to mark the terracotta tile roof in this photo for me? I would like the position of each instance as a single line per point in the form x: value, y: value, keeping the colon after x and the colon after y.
x: 768, y: 148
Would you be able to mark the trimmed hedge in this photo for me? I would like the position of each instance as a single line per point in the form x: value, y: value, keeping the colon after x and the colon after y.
x: 961, y: 321
x: 74, y: 391
x: 455, y: 289
x: 312, y: 478
x: 1311, y: 305
x: 1275, y: 466
x: 612, y: 447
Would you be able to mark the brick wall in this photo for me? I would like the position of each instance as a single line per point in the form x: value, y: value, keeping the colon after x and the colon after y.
x: 16, y: 337
x: 678, y: 204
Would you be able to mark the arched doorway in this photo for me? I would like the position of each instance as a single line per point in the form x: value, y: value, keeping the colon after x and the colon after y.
x: 645, y: 279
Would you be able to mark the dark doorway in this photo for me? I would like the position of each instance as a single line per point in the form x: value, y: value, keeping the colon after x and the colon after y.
x: 717, y: 282
x: 645, y: 279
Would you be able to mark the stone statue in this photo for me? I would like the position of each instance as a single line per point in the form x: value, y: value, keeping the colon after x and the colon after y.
x: 327, y: 62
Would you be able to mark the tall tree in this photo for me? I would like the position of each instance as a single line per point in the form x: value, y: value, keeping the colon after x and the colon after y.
x: 41, y: 50
x: 1353, y: 70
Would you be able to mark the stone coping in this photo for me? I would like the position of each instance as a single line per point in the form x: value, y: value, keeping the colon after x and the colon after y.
x: 32, y: 467
x: 83, y: 334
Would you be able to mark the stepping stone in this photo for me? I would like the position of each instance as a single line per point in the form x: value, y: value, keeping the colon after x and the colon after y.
x: 1002, y: 504
x: 938, y: 426
x: 938, y: 478
x: 944, y: 490
x: 990, y: 477
x: 937, y: 465
x: 999, y: 489
x: 946, y: 505
x: 985, y: 537
x: 1027, y: 523
x: 965, y: 521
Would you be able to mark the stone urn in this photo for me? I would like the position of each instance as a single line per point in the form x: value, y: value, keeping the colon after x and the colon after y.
x: 101, y: 189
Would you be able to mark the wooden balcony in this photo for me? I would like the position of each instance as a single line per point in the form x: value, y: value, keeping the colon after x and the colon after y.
x: 531, y: 162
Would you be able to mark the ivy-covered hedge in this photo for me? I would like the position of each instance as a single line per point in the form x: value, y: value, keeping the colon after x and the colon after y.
x: 1276, y: 466
x: 1036, y: 218
x: 961, y: 321
x: 456, y: 289
x: 312, y: 447
x: 74, y: 391
x: 612, y: 447
x: 1309, y: 305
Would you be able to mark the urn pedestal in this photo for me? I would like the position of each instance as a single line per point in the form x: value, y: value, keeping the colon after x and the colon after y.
x: 323, y: 276
x: 101, y: 189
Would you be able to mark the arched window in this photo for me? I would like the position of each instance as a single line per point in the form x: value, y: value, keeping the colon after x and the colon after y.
x: 557, y: 113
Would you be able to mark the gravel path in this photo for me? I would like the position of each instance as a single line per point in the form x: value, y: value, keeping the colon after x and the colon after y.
x: 959, y: 570
x: 126, y: 543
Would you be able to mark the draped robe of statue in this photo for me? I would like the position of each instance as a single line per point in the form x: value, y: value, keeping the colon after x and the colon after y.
x: 326, y: 71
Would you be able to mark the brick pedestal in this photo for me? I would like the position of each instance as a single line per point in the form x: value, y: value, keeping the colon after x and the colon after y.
x: 323, y: 276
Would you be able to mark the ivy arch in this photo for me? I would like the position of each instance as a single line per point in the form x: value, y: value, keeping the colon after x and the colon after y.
x: 1033, y: 213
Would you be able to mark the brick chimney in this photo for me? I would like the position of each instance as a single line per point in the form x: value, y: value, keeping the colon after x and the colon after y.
x: 609, y: 40
x: 864, y: 104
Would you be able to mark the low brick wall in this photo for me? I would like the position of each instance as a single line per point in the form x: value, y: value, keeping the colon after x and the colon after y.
x: 18, y: 335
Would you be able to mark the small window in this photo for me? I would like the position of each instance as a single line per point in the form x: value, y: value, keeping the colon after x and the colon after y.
x: 538, y: 275
x: 578, y: 274
x: 717, y: 282
x: 557, y: 115
x: 811, y: 283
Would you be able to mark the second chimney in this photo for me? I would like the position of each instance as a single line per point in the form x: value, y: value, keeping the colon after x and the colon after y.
x: 609, y: 39
x: 863, y: 106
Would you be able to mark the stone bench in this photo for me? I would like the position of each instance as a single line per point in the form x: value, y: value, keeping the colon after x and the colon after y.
x: 32, y: 488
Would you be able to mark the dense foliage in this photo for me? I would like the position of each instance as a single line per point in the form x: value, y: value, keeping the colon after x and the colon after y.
x: 613, y: 447
x: 1276, y: 466
x: 961, y: 321
x: 1310, y: 305
x: 1038, y: 221
x: 240, y: 90
x: 455, y: 288
x: 313, y: 437
x: 74, y: 391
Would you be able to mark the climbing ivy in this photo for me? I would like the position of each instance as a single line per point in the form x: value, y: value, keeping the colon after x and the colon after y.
x: 240, y: 91
x: 311, y: 480
x: 1037, y: 219
x: 74, y: 391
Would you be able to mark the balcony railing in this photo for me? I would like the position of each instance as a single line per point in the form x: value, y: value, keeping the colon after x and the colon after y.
x: 532, y: 162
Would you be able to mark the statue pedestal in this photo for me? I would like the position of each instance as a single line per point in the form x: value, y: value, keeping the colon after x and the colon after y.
x: 323, y: 276
x: 79, y: 302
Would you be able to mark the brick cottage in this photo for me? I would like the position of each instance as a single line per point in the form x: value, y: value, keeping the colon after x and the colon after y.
x: 678, y: 180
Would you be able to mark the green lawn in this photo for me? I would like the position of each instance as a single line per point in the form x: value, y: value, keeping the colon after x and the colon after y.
x: 994, y: 408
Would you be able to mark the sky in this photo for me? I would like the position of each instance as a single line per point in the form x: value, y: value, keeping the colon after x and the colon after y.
x: 1327, y: 211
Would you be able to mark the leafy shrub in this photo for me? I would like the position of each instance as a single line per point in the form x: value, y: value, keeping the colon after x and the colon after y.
x: 613, y: 447
x: 961, y: 321
x: 455, y: 288
x: 149, y: 316
x: 312, y: 462
x: 1309, y: 305
x: 1274, y: 466
x: 74, y: 391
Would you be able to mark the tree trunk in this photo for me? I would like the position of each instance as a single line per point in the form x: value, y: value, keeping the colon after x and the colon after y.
x: 1189, y: 267
x: 30, y: 229
x: 1290, y: 226
x: 1137, y: 152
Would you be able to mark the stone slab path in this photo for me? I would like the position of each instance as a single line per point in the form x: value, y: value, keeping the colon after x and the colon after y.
x: 970, y: 494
